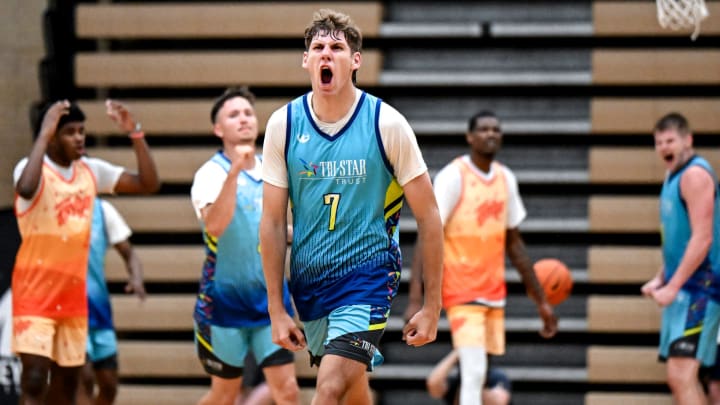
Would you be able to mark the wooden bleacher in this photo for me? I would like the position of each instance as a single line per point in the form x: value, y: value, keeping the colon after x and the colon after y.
x: 176, y: 164
x: 214, y: 20
x: 610, y: 398
x: 169, y: 116
x: 653, y: 67
x: 624, y: 365
x: 622, y: 264
x: 639, y: 18
x: 610, y: 213
x: 620, y: 165
x: 623, y: 116
x: 622, y: 314
x: 140, y: 69
x: 180, y: 263
x: 158, y: 213
x: 159, y: 312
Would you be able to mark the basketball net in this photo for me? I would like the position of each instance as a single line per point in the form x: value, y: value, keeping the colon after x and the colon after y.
x: 682, y: 14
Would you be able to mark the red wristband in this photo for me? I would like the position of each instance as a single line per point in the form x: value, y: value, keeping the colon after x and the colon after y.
x: 137, y: 135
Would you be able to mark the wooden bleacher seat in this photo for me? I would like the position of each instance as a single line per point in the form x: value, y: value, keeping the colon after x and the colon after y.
x: 648, y: 67
x: 176, y: 164
x: 624, y: 365
x: 149, y: 358
x: 618, y: 165
x: 163, y: 263
x: 170, y: 116
x: 639, y: 18
x: 623, y: 214
x: 622, y: 314
x: 158, y: 359
x: 615, y: 398
x: 158, y: 213
x: 214, y: 20
x: 138, y: 69
x: 159, y: 312
x: 639, y: 115
x: 623, y: 264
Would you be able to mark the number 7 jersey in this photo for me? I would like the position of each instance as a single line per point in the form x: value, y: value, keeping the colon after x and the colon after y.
x: 346, y: 207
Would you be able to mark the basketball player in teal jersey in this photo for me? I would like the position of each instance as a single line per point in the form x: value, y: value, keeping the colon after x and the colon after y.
x: 108, y: 228
x: 344, y: 160
x: 231, y: 315
x: 688, y: 285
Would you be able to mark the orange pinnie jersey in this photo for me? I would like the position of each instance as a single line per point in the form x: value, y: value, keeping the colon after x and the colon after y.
x: 474, y: 240
x: 51, y: 264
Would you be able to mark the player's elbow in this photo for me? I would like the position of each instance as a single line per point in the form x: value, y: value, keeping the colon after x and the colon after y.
x: 704, y: 243
x: 150, y: 186
x: 25, y: 191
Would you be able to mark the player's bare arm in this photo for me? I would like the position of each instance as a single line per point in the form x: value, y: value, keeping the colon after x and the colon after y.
x: 217, y: 216
x: 273, y: 242
x: 134, y: 268
x: 516, y: 251
x: 146, y: 180
x: 29, y: 180
x: 422, y: 327
x: 415, y: 289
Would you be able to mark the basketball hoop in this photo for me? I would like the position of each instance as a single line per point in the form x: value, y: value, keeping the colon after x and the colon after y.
x: 682, y: 14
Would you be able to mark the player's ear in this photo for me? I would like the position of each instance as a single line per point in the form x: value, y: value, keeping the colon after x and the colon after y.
x: 357, y: 60
x: 304, y: 60
x: 217, y: 130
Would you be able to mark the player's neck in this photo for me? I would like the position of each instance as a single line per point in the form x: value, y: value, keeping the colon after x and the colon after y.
x: 333, y: 107
x: 59, y: 159
x: 482, y: 162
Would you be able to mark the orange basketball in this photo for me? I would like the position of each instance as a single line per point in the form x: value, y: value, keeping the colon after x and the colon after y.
x: 555, y: 278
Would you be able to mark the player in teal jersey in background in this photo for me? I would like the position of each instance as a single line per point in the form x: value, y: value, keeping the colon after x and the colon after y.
x: 231, y: 316
x: 688, y: 285
x: 108, y: 229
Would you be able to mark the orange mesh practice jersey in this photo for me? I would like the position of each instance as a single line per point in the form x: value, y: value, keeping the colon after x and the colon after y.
x: 51, y: 264
x: 474, y: 241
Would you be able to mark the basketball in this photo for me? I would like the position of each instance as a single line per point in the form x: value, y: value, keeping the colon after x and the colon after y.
x: 555, y: 278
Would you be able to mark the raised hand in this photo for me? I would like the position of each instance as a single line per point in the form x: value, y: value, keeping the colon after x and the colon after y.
x: 52, y: 117
x: 120, y: 115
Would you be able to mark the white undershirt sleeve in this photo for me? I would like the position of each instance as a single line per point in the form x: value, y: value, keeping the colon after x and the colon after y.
x: 400, y: 143
x: 206, y: 187
x: 274, y: 168
x: 446, y: 186
x: 515, y: 209
x: 115, y: 226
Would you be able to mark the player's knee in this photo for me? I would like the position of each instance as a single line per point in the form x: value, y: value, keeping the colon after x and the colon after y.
x: 108, y: 392
x: 288, y: 392
x: 34, y: 382
x: 330, y: 388
x: 496, y: 396
x: 678, y: 378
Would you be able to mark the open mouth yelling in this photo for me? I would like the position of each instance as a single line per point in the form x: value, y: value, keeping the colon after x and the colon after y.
x: 326, y: 75
x: 669, y: 158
